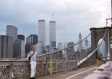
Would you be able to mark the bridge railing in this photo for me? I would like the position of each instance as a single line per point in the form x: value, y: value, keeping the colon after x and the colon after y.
x: 49, y: 64
x: 14, y: 69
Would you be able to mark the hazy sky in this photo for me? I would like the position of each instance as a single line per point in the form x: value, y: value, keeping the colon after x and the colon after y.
x: 72, y: 16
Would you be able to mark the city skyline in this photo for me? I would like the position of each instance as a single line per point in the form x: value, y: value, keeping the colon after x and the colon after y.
x: 68, y: 14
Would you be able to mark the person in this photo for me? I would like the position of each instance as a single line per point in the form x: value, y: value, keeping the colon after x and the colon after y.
x: 32, y: 57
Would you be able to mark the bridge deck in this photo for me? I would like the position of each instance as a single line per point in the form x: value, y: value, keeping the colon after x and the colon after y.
x: 77, y: 74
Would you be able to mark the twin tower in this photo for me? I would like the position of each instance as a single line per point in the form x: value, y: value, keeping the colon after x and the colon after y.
x: 42, y: 32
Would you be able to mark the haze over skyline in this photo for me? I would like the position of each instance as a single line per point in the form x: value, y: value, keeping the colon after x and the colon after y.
x: 71, y: 16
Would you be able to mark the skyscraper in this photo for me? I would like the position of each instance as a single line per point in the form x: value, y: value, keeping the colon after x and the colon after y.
x: 41, y: 32
x: 80, y: 42
x: 30, y: 40
x: 41, y: 35
x: 52, y: 34
x: 6, y: 47
x: 12, y: 31
x: 19, y: 47
x: 22, y: 37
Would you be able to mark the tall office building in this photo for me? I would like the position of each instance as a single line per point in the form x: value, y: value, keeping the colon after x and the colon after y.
x: 41, y: 35
x: 81, y: 43
x: 6, y: 47
x: 22, y: 37
x: 41, y: 32
x: 30, y: 40
x: 52, y: 34
x: 12, y: 31
x: 19, y: 47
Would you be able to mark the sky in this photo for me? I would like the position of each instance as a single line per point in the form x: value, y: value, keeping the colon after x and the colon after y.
x: 71, y: 16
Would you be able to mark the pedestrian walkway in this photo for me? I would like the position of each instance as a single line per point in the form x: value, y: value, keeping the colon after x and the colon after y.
x: 77, y: 74
x: 102, y: 72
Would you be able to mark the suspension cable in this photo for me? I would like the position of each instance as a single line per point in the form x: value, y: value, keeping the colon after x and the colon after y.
x: 69, y: 46
x: 94, y: 51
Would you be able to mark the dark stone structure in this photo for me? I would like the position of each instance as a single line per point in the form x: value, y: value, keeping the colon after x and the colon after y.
x: 98, y: 33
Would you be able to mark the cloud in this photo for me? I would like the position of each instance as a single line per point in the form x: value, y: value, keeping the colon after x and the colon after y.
x: 71, y: 15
